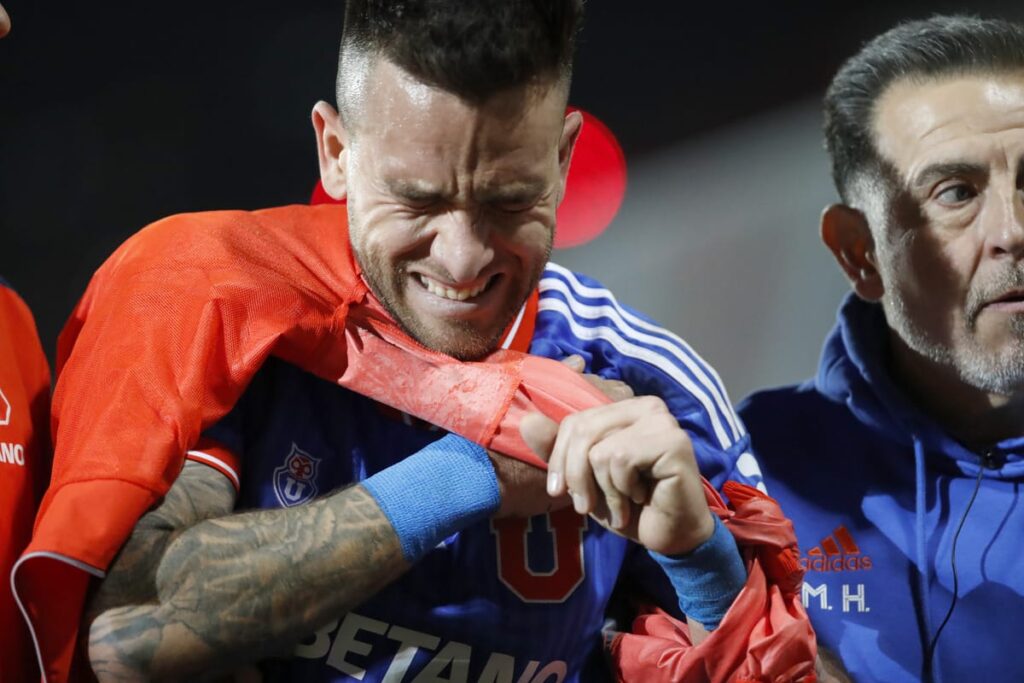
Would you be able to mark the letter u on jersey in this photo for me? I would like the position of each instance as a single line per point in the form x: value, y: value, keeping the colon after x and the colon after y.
x: 565, y: 528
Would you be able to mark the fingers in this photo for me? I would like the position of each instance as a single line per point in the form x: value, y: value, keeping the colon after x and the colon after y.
x: 575, y: 362
x: 598, y: 456
x: 5, y: 22
x: 627, y: 461
x: 578, y: 472
x: 579, y: 432
x: 632, y: 467
x: 539, y: 433
x: 539, y: 437
x: 615, y: 389
x: 624, y: 475
x: 576, y: 435
x: 615, y: 503
x: 521, y: 487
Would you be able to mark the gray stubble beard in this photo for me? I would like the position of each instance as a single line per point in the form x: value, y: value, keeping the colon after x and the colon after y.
x: 1000, y: 373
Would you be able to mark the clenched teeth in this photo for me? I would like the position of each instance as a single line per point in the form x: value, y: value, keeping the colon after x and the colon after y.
x: 449, y: 293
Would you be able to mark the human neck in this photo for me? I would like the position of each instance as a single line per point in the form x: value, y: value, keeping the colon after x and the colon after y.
x: 976, y: 418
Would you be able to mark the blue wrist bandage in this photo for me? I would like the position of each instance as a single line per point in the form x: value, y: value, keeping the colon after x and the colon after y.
x: 433, y: 493
x: 708, y: 578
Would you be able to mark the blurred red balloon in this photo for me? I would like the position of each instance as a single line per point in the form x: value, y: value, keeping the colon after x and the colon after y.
x: 595, y: 187
x: 593, y: 192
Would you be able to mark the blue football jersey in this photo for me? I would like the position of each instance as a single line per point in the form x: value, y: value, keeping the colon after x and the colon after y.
x: 509, y: 601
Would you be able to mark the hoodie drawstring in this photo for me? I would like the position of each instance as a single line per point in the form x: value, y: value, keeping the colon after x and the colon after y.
x: 923, y: 565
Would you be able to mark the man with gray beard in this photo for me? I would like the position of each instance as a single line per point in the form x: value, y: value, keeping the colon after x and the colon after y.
x: 901, y: 462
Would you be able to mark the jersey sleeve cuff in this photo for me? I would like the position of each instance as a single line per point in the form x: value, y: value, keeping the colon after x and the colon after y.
x: 212, y: 454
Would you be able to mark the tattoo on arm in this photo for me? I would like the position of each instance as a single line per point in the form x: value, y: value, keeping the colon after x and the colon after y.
x: 238, y: 588
x: 199, y: 493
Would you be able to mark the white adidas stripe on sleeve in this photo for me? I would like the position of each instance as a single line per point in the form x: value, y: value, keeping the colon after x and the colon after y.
x: 672, y: 355
x: 674, y: 344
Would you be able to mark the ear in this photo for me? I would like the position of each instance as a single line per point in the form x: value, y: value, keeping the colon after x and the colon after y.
x: 571, y: 127
x: 845, y: 231
x: 332, y: 148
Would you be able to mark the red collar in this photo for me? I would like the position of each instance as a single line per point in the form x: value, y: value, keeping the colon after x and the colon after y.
x: 520, y: 332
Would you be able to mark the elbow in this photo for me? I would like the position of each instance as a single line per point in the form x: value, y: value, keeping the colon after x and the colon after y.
x: 122, y: 642
x: 142, y: 643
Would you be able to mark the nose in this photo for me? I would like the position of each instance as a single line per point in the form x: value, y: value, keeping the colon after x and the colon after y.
x: 462, y: 245
x: 1005, y: 232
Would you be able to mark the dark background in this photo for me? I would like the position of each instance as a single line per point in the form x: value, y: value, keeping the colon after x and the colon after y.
x: 112, y: 116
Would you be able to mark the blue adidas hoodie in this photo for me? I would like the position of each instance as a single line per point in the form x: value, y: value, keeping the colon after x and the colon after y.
x: 877, y: 491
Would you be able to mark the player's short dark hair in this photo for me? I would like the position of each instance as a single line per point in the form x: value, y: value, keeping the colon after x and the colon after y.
x: 472, y: 48
x: 929, y: 48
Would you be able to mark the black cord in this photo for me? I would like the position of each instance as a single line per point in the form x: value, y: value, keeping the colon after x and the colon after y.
x: 930, y: 651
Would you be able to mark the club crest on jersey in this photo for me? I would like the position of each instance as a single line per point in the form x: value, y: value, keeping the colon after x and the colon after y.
x: 295, y: 480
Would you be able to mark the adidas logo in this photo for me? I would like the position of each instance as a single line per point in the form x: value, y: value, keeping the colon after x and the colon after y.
x: 836, y: 553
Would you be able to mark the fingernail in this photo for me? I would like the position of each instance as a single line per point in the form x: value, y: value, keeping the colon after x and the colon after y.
x: 616, y: 519
x: 554, y: 483
x: 579, y: 503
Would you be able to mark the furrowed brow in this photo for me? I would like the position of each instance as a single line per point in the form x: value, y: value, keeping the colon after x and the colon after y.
x: 414, y: 190
x: 948, y: 169
x: 511, y: 192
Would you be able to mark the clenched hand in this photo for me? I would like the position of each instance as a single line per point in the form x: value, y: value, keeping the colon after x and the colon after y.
x: 630, y: 466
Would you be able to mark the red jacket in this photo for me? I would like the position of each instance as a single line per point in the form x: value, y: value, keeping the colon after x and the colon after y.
x: 765, y: 636
x: 167, y: 336
x: 24, y: 466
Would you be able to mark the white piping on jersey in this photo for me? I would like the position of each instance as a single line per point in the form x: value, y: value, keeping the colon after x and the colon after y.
x: 628, y: 348
x: 220, y: 465
x: 77, y: 564
x: 747, y: 465
x: 515, y: 328
x: 680, y: 349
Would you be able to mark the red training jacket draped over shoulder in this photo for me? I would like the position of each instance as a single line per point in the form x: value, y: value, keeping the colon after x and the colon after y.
x: 166, y: 338
x: 168, y: 335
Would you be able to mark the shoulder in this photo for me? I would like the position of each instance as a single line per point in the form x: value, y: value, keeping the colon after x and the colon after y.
x: 623, y: 343
x: 589, y: 300
x: 593, y: 313
x: 10, y: 294
x: 207, y: 235
x: 16, y: 321
x: 794, y: 427
x: 20, y: 339
x: 768, y: 405
x: 216, y: 254
x: 788, y: 407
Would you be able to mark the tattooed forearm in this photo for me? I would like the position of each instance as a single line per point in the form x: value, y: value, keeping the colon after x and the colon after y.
x: 199, y: 493
x: 243, y: 587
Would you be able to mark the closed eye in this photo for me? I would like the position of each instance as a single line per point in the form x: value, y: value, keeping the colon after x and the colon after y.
x: 420, y: 202
x: 515, y: 204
